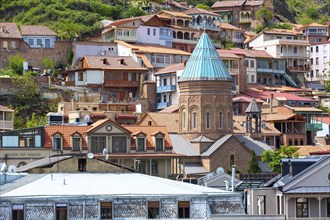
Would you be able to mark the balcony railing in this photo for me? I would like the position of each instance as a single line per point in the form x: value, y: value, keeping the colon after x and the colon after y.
x: 315, y: 34
x: 113, y: 83
x: 185, y: 41
x: 245, y: 20
x: 162, y: 105
x: 271, y: 71
x: 127, y: 38
x: 313, y: 127
x: 233, y: 71
x: 207, y: 26
x: 299, y: 68
x: 293, y: 55
x: 6, y: 125
x: 168, y: 88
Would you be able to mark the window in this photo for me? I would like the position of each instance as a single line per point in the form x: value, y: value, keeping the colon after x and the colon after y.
x: 290, y: 142
x: 141, y: 144
x: 154, y: 32
x: 13, y: 44
x: 18, y: 212
x: 302, y: 207
x: 317, y: 72
x: 261, y: 203
x: 76, y: 143
x: 153, y: 209
x: 316, y: 61
x: 328, y: 205
x: 61, y: 212
x: 229, y: 120
x: 220, y: 119
x: 5, y: 45
x: 159, y: 143
x: 57, y: 142
x: 184, y: 120
x: 232, y: 160
x: 164, y: 82
x: 106, y: 210
x: 194, y: 120
x: 140, y: 166
x: 30, y: 42
x: 80, y: 77
x: 119, y: 144
x: 47, y: 43
x: 278, y: 37
x: 311, y: 49
x: 301, y: 141
x: 311, y: 61
x: 82, y: 165
x: 295, y: 49
x: 207, y: 119
x: 154, y: 167
x: 317, y: 49
x: 252, y: 78
x: 252, y: 64
x: 39, y: 42
x: 119, y: 32
x: 148, y: 31
x: 164, y: 98
x: 133, y: 33
x: 184, y: 209
x: 98, y: 144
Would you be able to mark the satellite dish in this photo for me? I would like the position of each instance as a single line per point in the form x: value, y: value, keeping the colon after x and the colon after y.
x: 3, y: 167
x: 105, y: 151
x: 87, y: 118
x: 90, y: 155
x: 106, y: 156
x: 12, y: 169
x: 220, y: 170
x: 209, y: 176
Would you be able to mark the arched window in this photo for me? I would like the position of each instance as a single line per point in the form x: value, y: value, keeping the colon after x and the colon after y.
x: 207, y: 120
x: 194, y: 120
x: 220, y: 120
x: 232, y: 160
x: 184, y: 120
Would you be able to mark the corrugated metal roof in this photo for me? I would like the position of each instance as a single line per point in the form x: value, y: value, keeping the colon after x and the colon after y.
x: 257, y: 146
x: 216, y: 145
x: 97, y: 185
x: 205, y: 63
x: 201, y: 139
x: 43, y: 162
x: 310, y: 189
x: 194, y: 168
x: 264, y: 167
x: 182, y: 145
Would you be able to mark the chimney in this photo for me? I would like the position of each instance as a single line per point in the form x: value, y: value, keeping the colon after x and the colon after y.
x: 184, y: 63
x: 271, y: 103
x: 105, y: 61
x: 233, y: 178
x: 121, y: 61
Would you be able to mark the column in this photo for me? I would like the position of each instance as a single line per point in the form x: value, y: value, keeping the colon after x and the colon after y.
x: 150, y: 168
x: 166, y: 174
x: 320, y: 199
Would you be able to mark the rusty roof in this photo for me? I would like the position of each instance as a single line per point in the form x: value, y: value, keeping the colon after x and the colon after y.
x: 36, y: 30
x: 171, y: 68
x: 9, y: 30
x: 235, y: 3
x: 112, y: 62
x: 229, y: 27
x: 192, y: 11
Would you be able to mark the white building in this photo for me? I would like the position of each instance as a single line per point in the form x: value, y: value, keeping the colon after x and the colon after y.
x: 113, y: 196
x: 320, y: 61
x: 287, y: 45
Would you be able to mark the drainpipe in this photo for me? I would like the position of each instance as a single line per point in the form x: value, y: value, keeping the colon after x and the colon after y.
x: 233, y: 178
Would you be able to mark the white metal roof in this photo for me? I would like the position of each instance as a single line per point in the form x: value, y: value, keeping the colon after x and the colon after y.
x: 109, y: 184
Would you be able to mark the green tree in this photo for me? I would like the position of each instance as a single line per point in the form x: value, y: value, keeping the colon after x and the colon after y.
x: 253, y: 164
x: 264, y: 15
x: 16, y: 64
x: 48, y: 63
x: 327, y: 85
x: 206, y: 7
x: 273, y: 157
x: 36, y: 121
x: 133, y: 12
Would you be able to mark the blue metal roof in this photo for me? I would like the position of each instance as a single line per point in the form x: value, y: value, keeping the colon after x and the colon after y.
x: 205, y: 63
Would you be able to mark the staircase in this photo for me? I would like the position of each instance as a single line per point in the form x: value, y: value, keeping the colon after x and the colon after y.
x: 288, y: 78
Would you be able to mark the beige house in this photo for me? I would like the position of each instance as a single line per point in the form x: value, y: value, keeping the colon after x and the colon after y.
x: 6, y: 118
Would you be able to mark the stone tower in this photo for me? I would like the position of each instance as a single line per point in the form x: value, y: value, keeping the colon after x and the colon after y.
x: 205, y: 94
x: 253, y: 120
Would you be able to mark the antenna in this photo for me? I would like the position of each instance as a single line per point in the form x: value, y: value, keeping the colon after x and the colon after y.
x: 104, y: 151
x: 12, y: 169
x: 220, y: 171
x: 90, y: 155
x: 3, y: 167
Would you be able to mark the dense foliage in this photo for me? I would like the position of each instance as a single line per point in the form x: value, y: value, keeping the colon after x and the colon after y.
x: 273, y: 157
x: 68, y: 18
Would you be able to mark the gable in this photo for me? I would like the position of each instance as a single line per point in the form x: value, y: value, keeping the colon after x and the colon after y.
x: 154, y: 21
x: 109, y: 128
x: 318, y: 176
x: 231, y: 146
x: 131, y: 24
x: 145, y: 120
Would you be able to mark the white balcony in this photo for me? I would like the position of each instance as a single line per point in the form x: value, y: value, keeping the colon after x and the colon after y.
x: 292, y: 55
x: 184, y: 41
x: 6, y: 125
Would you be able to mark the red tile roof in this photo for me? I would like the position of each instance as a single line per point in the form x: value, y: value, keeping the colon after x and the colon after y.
x: 326, y: 120
x: 66, y: 131
x: 266, y: 95
x: 9, y: 30
x: 117, y: 62
x: 227, y: 54
x: 171, y: 68
x: 229, y: 27
x: 149, y: 131
x: 36, y: 30
x: 246, y: 99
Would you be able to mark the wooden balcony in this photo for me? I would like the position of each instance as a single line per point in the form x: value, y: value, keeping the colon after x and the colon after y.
x: 114, y: 83
x: 299, y: 68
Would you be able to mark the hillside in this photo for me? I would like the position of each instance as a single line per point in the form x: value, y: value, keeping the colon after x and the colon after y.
x: 69, y: 18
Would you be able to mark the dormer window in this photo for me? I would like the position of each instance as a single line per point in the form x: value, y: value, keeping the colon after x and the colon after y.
x: 76, y: 142
x: 159, y: 141
x: 141, y: 143
x: 57, y: 142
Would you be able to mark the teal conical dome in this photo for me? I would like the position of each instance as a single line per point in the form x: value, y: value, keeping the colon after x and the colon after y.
x: 205, y: 63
